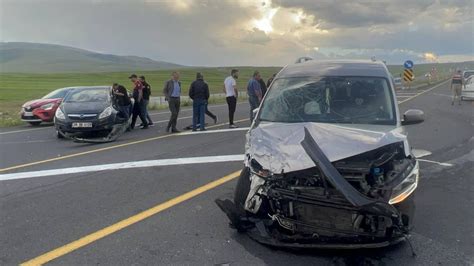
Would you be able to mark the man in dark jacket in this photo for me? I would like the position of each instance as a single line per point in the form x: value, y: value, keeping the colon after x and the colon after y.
x: 270, y: 80
x: 199, y: 93
x: 122, y: 100
x: 172, y: 93
x: 138, y: 105
x: 263, y: 86
x: 146, y: 99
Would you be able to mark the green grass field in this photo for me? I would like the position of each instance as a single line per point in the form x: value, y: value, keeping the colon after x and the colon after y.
x: 15, y: 89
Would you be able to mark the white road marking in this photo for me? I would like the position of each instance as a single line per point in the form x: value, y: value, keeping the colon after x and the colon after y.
x: 423, y: 92
x: 29, y: 141
x: 23, y: 130
x: 438, y: 163
x: 125, y: 165
x: 213, y: 131
x: 400, y: 93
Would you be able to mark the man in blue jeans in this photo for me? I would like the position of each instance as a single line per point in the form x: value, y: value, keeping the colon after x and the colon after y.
x: 199, y: 93
x: 254, y: 92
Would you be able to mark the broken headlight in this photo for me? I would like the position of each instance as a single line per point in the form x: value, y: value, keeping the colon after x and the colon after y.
x: 257, y: 169
x: 406, y: 187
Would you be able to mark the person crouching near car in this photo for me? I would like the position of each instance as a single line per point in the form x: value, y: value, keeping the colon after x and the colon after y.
x: 122, y: 100
x: 199, y: 93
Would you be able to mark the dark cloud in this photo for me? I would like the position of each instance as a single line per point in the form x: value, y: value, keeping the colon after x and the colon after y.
x: 223, y: 32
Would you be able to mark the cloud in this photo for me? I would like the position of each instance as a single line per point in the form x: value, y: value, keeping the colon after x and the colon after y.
x: 256, y: 36
x: 236, y: 32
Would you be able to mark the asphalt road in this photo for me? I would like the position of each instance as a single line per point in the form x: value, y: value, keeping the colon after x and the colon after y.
x: 146, y: 215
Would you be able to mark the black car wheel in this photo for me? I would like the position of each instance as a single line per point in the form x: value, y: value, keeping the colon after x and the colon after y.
x: 34, y: 123
x: 242, y: 189
x: 59, y: 135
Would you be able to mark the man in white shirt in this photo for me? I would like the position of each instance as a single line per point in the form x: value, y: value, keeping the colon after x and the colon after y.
x: 231, y: 92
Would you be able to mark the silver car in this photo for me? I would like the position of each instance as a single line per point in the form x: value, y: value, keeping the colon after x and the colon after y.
x: 328, y: 164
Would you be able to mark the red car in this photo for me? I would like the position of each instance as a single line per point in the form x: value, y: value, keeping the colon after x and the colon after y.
x: 43, y: 110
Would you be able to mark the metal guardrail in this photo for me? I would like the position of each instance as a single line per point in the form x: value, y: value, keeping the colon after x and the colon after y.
x: 158, y: 101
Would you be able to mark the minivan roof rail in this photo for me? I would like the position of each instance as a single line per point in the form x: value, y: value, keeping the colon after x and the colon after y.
x: 303, y: 59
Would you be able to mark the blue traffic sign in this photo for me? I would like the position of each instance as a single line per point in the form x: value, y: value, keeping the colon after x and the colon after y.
x: 408, y: 64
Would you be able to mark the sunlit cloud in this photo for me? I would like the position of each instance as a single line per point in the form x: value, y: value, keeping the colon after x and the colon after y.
x: 266, y: 22
x: 430, y: 57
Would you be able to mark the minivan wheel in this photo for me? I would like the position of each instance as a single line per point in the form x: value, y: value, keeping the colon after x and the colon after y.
x: 242, y: 189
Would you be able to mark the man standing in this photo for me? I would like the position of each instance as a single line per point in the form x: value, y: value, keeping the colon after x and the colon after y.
x: 138, y: 106
x: 199, y: 93
x: 270, y: 80
x: 146, y: 98
x: 263, y: 86
x: 254, y: 92
x: 172, y: 92
x: 231, y: 92
x: 456, y: 87
x: 122, y: 100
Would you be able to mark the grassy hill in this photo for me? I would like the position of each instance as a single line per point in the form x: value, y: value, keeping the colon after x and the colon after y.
x: 18, y: 57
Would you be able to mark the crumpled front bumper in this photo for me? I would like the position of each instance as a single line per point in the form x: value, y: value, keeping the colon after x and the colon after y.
x: 324, y: 222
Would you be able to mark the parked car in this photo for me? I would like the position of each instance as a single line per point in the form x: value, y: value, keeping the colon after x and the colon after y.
x: 328, y: 164
x: 467, y: 91
x: 86, y: 109
x: 466, y: 74
x: 42, y: 110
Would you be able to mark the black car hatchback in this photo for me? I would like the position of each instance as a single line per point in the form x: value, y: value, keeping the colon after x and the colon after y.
x: 86, y: 109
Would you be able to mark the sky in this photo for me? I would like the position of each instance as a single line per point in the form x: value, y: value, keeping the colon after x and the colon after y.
x: 244, y: 32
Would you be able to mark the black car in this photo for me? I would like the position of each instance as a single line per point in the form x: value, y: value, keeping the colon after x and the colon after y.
x: 86, y: 109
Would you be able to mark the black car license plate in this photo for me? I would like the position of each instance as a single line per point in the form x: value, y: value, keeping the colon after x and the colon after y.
x: 81, y: 124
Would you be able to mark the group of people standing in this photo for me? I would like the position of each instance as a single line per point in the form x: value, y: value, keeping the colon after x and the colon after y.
x: 256, y: 89
x: 198, y: 92
x: 141, y: 97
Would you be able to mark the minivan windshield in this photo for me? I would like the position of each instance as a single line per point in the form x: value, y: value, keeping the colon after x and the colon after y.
x: 88, y: 95
x: 354, y: 100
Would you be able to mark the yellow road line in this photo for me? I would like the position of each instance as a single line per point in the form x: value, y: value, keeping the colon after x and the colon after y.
x: 88, y: 239
x: 101, y: 149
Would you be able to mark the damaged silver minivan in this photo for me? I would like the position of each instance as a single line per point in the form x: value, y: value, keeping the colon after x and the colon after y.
x: 328, y: 164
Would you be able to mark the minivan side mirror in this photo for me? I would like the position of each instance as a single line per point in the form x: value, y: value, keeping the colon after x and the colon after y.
x: 413, y: 116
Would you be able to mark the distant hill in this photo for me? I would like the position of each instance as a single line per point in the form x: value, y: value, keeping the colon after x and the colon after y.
x: 49, y: 58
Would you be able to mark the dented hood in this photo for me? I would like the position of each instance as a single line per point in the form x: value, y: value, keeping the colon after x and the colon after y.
x: 277, y: 146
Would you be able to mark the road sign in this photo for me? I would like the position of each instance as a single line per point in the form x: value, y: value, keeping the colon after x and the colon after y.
x: 408, y: 75
x: 408, y: 64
